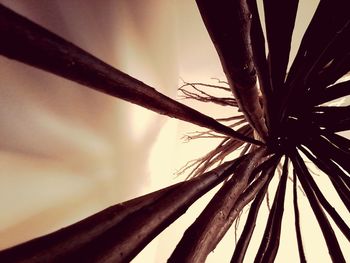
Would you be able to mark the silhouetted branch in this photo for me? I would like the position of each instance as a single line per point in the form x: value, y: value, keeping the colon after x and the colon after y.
x: 32, y: 44
x: 330, y: 16
x: 331, y: 93
x: 328, y: 207
x: 243, y: 242
x: 333, y: 119
x: 321, y: 147
x: 279, y: 20
x: 228, y: 24
x: 340, y: 141
x: 202, y: 236
x: 233, y: 118
x: 335, y: 174
x: 270, y: 242
x: 121, y: 231
x: 297, y: 220
x: 260, y: 61
x: 328, y: 233
x: 248, y: 195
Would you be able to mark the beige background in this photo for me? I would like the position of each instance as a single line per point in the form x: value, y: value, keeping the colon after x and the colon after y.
x: 67, y: 152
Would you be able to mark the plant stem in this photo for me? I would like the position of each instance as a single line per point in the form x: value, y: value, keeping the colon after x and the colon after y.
x: 32, y: 44
x: 228, y: 24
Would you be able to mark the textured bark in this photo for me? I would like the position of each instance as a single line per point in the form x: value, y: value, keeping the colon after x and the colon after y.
x: 335, y: 174
x: 28, y: 42
x: 248, y: 195
x: 269, y: 245
x: 202, y: 236
x: 73, y: 237
x: 297, y: 220
x: 328, y: 233
x: 228, y: 24
x: 260, y: 61
x: 249, y: 226
x: 328, y: 207
x: 118, y: 233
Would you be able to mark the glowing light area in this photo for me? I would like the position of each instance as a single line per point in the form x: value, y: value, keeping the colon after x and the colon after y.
x: 161, y: 161
x: 140, y: 122
x: 92, y: 151
x: 164, y: 156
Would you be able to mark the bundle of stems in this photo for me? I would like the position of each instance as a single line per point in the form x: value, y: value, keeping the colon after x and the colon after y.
x: 283, y: 115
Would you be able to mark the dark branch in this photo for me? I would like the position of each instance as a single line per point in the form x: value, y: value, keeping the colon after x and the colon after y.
x: 279, y: 20
x: 202, y: 236
x: 330, y: 17
x: 328, y: 207
x: 121, y: 231
x: 331, y: 93
x: 270, y: 243
x: 262, y: 69
x: 333, y: 62
x: 243, y: 242
x: 328, y: 233
x: 29, y: 43
x: 322, y: 147
x: 335, y: 174
x: 228, y: 24
x: 297, y: 220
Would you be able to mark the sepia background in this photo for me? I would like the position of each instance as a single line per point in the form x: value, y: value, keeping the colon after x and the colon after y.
x: 67, y: 152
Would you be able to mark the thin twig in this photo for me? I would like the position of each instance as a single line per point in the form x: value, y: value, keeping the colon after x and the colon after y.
x: 193, y: 84
x: 297, y: 220
x: 233, y: 118
x: 217, y: 155
x: 270, y: 243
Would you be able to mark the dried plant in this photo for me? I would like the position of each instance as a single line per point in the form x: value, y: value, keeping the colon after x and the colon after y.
x: 285, y: 118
